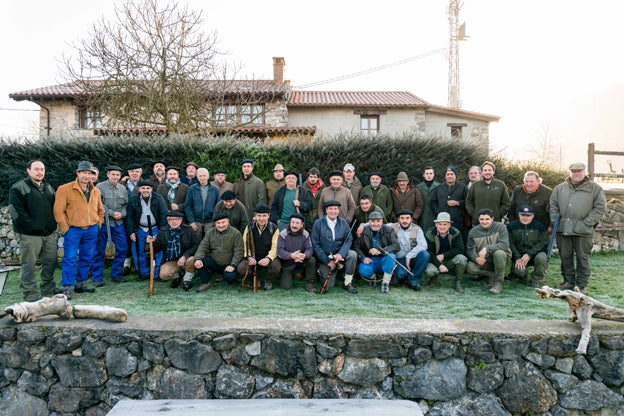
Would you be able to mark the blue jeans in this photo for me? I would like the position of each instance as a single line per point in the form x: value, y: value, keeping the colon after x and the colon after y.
x: 140, y: 259
x: 417, y: 266
x: 205, y: 273
x: 79, y: 248
x: 380, y: 264
x: 118, y: 235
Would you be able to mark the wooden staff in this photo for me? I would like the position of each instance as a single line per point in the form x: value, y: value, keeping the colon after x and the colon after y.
x: 151, y: 251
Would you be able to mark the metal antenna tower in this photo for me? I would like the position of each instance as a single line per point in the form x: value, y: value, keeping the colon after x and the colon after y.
x: 456, y: 33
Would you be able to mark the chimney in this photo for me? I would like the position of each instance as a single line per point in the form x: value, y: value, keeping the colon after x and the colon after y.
x: 278, y: 69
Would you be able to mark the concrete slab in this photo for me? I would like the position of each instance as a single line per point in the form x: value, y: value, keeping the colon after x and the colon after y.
x: 268, y: 407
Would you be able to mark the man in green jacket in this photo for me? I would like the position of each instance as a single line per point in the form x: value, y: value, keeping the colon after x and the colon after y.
x: 581, y: 204
x: 488, y: 251
x: 487, y: 193
x: 249, y: 188
x: 446, y: 248
x: 379, y: 193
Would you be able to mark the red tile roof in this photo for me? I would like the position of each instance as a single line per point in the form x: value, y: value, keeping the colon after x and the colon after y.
x: 401, y: 99
x: 73, y: 90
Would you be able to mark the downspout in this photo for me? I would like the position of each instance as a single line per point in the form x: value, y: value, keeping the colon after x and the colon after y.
x: 47, y: 110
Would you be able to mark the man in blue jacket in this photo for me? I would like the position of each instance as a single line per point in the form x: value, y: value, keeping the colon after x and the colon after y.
x: 200, y: 203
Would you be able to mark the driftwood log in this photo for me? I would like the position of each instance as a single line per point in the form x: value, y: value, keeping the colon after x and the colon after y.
x: 582, y: 308
x: 59, y: 305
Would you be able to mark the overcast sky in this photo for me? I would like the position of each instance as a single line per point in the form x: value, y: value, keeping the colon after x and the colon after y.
x: 532, y: 62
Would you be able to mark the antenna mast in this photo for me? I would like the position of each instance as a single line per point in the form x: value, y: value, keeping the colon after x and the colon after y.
x: 456, y: 33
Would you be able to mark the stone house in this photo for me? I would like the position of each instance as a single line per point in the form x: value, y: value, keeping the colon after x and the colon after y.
x: 284, y: 112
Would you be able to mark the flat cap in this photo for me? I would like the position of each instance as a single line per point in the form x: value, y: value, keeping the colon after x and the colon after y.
x: 262, y: 209
x: 577, y: 166
x: 332, y: 203
x: 176, y: 214
x: 220, y: 216
x: 375, y: 215
x: 133, y: 166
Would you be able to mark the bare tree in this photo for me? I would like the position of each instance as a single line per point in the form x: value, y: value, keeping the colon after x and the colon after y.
x: 547, y: 149
x: 153, y: 66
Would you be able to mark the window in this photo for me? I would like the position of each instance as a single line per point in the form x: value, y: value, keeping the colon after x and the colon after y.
x: 238, y: 115
x: 456, y: 129
x: 369, y: 125
x: 89, y: 119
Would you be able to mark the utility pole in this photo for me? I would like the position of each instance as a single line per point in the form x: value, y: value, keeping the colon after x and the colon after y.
x: 456, y: 33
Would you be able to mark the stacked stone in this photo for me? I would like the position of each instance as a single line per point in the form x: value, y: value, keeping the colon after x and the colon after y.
x: 86, y: 370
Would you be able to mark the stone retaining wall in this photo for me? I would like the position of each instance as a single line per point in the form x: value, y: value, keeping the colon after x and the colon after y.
x: 608, y: 237
x: 469, y: 367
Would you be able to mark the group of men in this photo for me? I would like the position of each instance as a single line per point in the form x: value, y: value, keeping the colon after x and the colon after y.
x: 286, y: 229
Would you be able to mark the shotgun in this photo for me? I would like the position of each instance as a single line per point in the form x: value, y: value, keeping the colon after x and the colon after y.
x: 553, y: 236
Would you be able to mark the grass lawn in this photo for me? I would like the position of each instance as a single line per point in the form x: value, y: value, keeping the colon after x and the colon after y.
x: 439, y: 302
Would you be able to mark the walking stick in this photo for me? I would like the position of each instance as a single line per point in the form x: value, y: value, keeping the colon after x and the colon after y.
x: 151, y: 249
x: 385, y: 253
x: 553, y: 236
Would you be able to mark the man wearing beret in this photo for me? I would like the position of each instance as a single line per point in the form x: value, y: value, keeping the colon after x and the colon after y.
x: 79, y: 212
x: 235, y: 210
x: 379, y: 193
x: 220, y: 251
x: 528, y: 241
x: 173, y: 190
x: 190, y: 174
x: 450, y: 197
x: 336, y: 192
x: 331, y: 241
x: 177, y: 242
x: 158, y: 177
x: 147, y: 208
x: 376, y: 249
x: 130, y: 181
x: 115, y: 200
x: 260, y: 246
x: 581, y: 204
x: 249, y: 188
x: 294, y: 249
x: 290, y: 199
x: 219, y: 181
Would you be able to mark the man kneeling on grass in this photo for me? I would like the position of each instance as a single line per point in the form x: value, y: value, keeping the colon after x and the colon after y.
x: 220, y: 251
x: 488, y: 250
x: 178, y: 242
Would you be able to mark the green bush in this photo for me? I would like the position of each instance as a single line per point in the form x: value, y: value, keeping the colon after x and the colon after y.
x: 385, y: 154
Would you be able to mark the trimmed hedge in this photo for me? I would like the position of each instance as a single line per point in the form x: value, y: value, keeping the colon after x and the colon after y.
x: 384, y: 154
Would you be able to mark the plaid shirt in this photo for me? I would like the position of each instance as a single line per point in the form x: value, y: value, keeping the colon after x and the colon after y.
x: 114, y: 198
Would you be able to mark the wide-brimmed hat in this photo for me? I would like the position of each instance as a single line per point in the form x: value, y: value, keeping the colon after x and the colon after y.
x: 443, y: 217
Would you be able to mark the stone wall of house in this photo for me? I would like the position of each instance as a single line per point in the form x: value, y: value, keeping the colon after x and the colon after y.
x: 463, y: 367
x: 609, y: 236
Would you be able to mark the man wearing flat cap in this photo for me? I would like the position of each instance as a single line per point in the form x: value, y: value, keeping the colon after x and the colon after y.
x: 351, y: 181
x: 235, y: 210
x: 177, y: 242
x: 145, y: 210
x: 220, y: 182
x: 581, y: 204
x: 528, y: 241
x: 294, y: 248
x: 274, y: 183
x: 406, y: 196
x: 173, y: 190
x: 249, y: 188
x: 190, y: 174
x: 220, y: 251
x: 379, y: 193
x: 336, y: 192
x: 115, y: 200
x: 290, y: 199
x: 331, y: 242
x: 376, y: 249
x: 79, y: 212
x: 260, y: 247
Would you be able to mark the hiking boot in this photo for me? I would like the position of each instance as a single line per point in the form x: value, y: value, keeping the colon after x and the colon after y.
x: 310, y: 288
x: 385, y: 288
x: 187, y: 286
x: 83, y: 289
x: 458, y: 287
x: 268, y: 286
x: 565, y: 286
x: 583, y: 290
x: 175, y: 282
x: 416, y: 287
x: 204, y: 287
x: 67, y: 294
x: 125, y: 271
x: 372, y: 282
x: 349, y: 288
x: 536, y: 284
x: 497, y: 287
x: 53, y: 291
x: 98, y: 284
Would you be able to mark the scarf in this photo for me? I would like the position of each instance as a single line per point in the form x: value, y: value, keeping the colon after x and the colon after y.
x: 315, y: 188
x: 172, y: 190
x: 174, y: 246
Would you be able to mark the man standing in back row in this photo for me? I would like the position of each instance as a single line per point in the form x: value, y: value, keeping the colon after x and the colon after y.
x: 30, y: 204
x: 581, y: 204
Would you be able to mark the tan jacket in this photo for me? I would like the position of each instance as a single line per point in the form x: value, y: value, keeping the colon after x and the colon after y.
x: 71, y: 208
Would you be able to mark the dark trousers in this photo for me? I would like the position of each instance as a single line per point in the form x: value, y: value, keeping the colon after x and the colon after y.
x: 569, y: 246
x: 210, y: 266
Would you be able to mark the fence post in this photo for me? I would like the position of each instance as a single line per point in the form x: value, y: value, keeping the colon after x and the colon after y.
x: 591, y: 149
